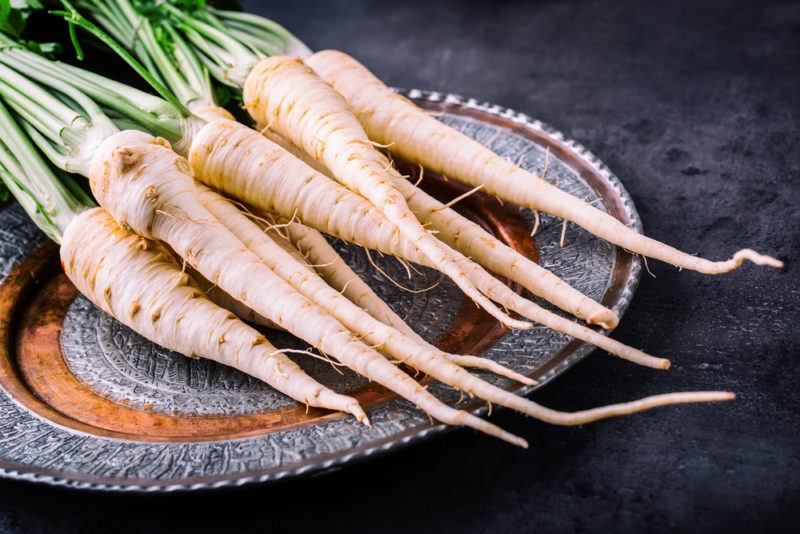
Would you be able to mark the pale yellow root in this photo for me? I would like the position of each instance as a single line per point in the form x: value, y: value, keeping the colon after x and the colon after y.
x: 485, y: 364
x: 481, y: 246
x: 286, y: 94
x: 390, y: 340
x: 628, y: 408
x: 339, y: 276
x: 219, y: 297
x: 422, y: 357
x: 478, y: 244
x: 139, y: 283
x: 149, y: 189
x: 245, y: 165
x: 502, y: 293
x: 414, y: 135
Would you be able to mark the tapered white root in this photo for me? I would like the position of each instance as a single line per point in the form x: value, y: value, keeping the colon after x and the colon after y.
x: 423, y: 358
x: 313, y: 247
x: 139, y: 283
x: 740, y: 257
x: 501, y: 293
x: 485, y: 364
x: 419, y: 138
x: 420, y: 356
x: 339, y: 275
x: 304, y: 280
x: 629, y: 408
x: 473, y: 241
x: 244, y: 164
x: 149, y: 189
x: 285, y: 93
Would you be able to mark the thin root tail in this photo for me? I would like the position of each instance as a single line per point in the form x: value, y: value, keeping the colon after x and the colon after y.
x: 754, y: 257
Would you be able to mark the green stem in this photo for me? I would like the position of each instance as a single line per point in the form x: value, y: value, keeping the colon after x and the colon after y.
x: 24, y: 76
x: 269, y: 37
x: 111, y: 16
x: 227, y: 58
x: 74, y: 18
x: 166, y: 54
x: 50, y: 203
x: 151, y: 112
x: 50, y: 125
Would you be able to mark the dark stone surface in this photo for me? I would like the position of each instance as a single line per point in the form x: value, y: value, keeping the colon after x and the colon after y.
x: 697, y: 109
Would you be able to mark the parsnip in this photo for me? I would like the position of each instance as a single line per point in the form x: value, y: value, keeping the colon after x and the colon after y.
x: 286, y: 94
x: 137, y: 281
x: 243, y: 164
x: 421, y: 356
x: 149, y: 189
x: 476, y: 243
x: 339, y: 276
x: 415, y: 136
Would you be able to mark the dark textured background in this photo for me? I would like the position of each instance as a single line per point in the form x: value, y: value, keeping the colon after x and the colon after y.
x: 697, y: 109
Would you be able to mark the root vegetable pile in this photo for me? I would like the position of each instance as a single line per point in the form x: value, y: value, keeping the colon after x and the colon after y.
x: 205, y: 223
x: 414, y: 135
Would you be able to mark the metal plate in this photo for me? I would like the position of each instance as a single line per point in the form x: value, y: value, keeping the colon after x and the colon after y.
x: 88, y: 404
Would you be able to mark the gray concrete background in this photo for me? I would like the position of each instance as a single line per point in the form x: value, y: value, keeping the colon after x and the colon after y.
x: 697, y: 109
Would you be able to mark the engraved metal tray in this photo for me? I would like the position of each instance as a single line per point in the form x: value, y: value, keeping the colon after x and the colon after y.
x: 85, y: 403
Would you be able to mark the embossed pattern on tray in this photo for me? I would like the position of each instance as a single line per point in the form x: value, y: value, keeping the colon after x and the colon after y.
x: 118, y: 364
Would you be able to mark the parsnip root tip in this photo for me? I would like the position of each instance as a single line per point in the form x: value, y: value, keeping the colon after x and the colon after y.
x: 514, y: 440
x: 646, y: 360
x: 358, y: 412
x: 605, y: 319
x: 514, y: 324
x: 746, y: 254
x: 755, y: 257
x: 362, y: 418
x: 687, y: 397
x: 527, y: 381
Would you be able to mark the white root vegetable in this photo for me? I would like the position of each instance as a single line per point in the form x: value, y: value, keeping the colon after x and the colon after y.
x: 244, y: 164
x: 149, y: 189
x: 308, y: 245
x: 420, y: 356
x: 417, y: 137
x: 339, y: 276
x: 476, y: 243
x: 503, y: 294
x: 139, y: 283
x: 219, y: 297
x: 315, y: 249
x: 308, y: 283
x: 272, y: 179
x: 286, y: 94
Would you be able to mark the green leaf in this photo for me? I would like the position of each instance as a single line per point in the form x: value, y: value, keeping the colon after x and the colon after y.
x: 14, y: 15
x: 74, y: 18
x: 12, y: 21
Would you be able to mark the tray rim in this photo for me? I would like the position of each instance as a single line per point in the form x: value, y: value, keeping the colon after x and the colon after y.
x: 329, y: 462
